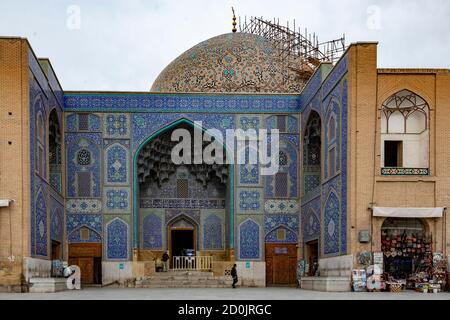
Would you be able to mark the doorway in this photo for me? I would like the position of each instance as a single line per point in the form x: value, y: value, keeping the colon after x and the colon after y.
x: 281, y: 264
x: 56, y: 250
x: 88, y: 257
x: 312, y: 256
x: 181, y: 239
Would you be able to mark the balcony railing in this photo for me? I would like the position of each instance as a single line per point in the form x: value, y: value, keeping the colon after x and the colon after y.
x: 200, y: 263
x: 405, y: 171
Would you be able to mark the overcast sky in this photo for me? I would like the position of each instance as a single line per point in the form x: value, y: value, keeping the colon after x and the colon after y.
x: 124, y: 44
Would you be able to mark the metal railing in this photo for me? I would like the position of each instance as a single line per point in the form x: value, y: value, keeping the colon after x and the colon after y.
x: 192, y: 263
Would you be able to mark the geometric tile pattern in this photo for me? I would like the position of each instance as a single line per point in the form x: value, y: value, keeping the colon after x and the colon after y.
x: 289, y: 236
x: 249, y: 172
x: 83, y: 205
x: 212, y: 233
x: 87, y: 145
x: 57, y: 224
x: 181, y: 103
x: 116, y: 125
x: 281, y: 206
x: 274, y: 220
x: 235, y: 62
x: 117, y: 239
x: 331, y: 224
x: 249, y: 240
x: 310, y: 220
x: 116, y: 200
x: 116, y: 164
x: 250, y: 200
x: 152, y: 232
x: 91, y: 221
x: 41, y: 224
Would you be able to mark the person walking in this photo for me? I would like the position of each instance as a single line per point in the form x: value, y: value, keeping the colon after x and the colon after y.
x: 234, y: 276
x: 165, y: 260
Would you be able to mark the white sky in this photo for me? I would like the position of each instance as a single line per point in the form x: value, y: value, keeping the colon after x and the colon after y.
x: 124, y: 44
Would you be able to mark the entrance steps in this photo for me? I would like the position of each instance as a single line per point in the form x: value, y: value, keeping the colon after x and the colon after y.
x: 184, y: 279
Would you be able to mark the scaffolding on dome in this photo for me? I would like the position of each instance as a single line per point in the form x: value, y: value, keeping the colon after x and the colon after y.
x: 302, y: 52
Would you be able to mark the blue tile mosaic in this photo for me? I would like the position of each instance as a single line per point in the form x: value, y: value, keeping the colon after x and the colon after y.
x: 116, y: 200
x: 212, y: 233
x: 152, y: 102
x: 152, y: 232
x: 117, y: 235
x: 116, y: 164
x: 249, y: 240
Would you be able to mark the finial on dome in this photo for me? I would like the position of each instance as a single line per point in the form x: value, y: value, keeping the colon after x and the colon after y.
x: 234, y: 21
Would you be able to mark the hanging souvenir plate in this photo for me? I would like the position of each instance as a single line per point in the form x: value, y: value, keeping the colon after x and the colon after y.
x: 394, y: 254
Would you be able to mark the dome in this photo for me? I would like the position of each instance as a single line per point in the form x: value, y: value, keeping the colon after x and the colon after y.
x: 233, y: 62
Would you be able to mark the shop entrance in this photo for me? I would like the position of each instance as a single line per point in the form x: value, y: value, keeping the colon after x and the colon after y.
x: 312, y: 256
x: 88, y: 257
x: 406, y: 246
x: 281, y: 264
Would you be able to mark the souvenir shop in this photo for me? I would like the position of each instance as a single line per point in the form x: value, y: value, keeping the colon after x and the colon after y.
x: 408, y: 259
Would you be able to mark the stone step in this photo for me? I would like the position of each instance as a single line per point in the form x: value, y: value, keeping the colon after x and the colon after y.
x: 156, y: 285
x: 184, y: 279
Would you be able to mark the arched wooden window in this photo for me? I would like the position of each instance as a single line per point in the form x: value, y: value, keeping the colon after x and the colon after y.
x: 405, y: 123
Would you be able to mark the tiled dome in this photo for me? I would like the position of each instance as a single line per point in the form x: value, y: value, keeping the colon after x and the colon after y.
x: 233, y: 62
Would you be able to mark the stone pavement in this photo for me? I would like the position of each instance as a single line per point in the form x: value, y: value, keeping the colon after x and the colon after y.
x: 218, y: 293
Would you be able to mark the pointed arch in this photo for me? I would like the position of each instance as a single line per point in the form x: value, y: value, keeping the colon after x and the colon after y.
x: 312, y: 152
x: 405, y: 134
x: 41, y: 230
x: 249, y: 240
x: 92, y: 236
x: 331, y: 222
x: 290, y: 235
x: 116, y: 164
x: 230, y: 181
x: 54, y: 150
x: 117, y: 235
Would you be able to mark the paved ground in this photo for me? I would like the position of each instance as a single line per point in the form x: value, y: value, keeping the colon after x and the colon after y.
x: 220, y: 294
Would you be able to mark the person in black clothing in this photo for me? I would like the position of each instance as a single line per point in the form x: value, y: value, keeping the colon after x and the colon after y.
x: 165, y: 259
x: 234, y: 275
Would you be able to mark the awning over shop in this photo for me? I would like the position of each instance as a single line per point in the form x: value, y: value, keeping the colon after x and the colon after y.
x: 408, y: 212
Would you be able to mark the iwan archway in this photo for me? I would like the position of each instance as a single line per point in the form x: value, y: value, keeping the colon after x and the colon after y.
x: 168, y: 194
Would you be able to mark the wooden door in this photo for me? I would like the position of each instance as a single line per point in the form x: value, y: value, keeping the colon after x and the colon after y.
x: 83, y: 255
x: 269, y: 270
x: 281, y: 269
x: 281, y: 264
x: 87, y: 270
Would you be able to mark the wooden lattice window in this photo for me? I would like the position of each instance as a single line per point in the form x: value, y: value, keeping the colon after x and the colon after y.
x: 281, y: 184
x: 281, y: 123
x: 83, y: 121
x: 182, y: 188
x: 84, y: 184
x: 84, y: 234
x: 281, y: 234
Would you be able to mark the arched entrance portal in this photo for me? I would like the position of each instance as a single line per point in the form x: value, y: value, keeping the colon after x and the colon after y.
x: 182, y: 237
x: 183, y: 205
